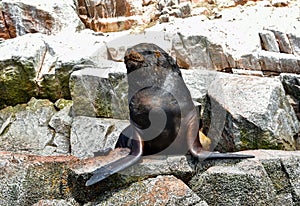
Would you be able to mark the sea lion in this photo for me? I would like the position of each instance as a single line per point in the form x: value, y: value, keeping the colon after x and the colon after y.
x: 163, y: 118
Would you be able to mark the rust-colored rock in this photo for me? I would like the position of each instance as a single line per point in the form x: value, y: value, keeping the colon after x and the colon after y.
x: 4, y: 32
x: 116, y: 15
x: 21, y: 17
x: 110, y: 24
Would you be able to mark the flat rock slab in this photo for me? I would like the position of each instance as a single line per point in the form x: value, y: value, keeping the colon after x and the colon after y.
x: 273, y: 176
x: 162, y: 190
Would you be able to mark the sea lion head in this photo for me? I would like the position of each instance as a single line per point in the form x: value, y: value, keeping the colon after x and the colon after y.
x: 151, y: 56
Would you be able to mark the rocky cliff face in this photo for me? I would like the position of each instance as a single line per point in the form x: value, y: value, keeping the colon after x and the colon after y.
x: 63, y: 98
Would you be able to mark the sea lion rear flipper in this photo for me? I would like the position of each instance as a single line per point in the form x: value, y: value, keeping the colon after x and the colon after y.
x: 136, y: 147
x: 218, y: 155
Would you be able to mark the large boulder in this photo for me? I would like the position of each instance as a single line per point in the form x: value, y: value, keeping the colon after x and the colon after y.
x: 248, y: 113
x: 100, y: 92
x: 26, y: 179
x: 162, y: 190
x: 26, y: 127
x: 237, y: 184
x: 37, y: 65
x: 267, y: 181
x: 36, y: 128
x: 30, y: 16
x: 92, y: 135
x: 20, y: 63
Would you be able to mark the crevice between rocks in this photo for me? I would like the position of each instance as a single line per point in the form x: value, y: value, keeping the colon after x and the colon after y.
x: 290, y: 187
x: 6, y: 25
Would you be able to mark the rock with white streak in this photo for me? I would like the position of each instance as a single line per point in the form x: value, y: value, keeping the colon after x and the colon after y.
x: 100, y: 92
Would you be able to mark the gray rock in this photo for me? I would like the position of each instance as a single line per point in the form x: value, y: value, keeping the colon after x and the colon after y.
x: 28, y: 16
x: 271, y: 178
x: 185, y: 9
x: 268, y: 41
x: 26, y: 179
x: 283, y: 42
x: 291, y: 84
x: 117, y: 47
x: 269, y: 167
x: 20, y: 62
x: 36, y: 65
x: 162, y: 165
x: 164, y: 18
x: 193, y: 51
x: 61, y: 123
x: 295, y: 43
x: 198, y: 82
x: 283, y: 169
x: 198, y: 51
x: 248, y: 113
x: 100, y: 92
x: 292, y: 168
x: 278, y: 62
x: 28, y: 129
x: 56, y: 202
x: 249, y: 61
x: 242, y: 183
x: 162, y: 190
x: 90, y: 135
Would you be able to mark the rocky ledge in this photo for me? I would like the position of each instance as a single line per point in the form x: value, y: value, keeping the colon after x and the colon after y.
x: 271, y: 178
x: 63, y: 99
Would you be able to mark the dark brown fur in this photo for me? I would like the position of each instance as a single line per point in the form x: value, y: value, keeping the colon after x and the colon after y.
x: 163, y: 117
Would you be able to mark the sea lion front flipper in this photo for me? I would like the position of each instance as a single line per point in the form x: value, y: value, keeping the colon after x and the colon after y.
x: 103, y: 172
x: 112, y: 168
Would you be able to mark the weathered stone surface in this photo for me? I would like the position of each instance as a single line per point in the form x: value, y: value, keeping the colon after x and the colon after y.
x: 117, y: 46
x: 250, y: 112
x: 36, y: 65
x: 116, y: 15
x: 27, y: 127
x: 56, y: 202
x: 26, y: 179
x: 234, y: 185
x: 278, y: 62
x: 283, y: 42
x: 198, y: 82
x: 20, y: 62
x: 283, y: 169
x: 61, y: 123
x: 100, y: 92
x: 181, y: 166
x: 162, y: 190
x: 91, y: 135
x: 291, y: 84
x: 31, y: 16
x: 272, y: 177
x: 295, y: 43
x: 268, y: 41
x: 268, y: 166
